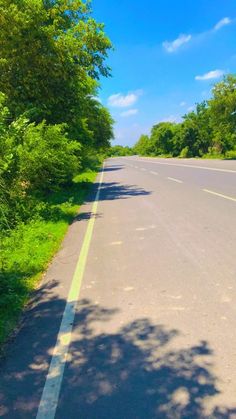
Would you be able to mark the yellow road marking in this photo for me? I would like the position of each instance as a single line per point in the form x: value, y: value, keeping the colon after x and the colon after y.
x: 221, y: 195
x: 175, y: 180
x: 49, y: 400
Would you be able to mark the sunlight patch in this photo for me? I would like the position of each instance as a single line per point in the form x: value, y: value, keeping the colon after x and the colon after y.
x: 181, y: 396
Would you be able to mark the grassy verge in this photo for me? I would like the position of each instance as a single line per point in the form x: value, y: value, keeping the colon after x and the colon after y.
x: 230, y: 155
x: 27, y: 250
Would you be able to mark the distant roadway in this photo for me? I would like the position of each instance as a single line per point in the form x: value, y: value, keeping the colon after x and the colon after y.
x: 153, y: 261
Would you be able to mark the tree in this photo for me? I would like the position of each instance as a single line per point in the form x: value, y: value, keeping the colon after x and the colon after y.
x: 100, y: 123
x: 143, y: 146
x: 52, y: 53
x: 195, y: 134
x: 210, y: 129
x: 223, y: 114
x: 119, y: 150
x: 162, y: 136
x: 34, y: 160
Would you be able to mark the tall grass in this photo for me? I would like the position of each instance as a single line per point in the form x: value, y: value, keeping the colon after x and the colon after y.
x: 27, y: 250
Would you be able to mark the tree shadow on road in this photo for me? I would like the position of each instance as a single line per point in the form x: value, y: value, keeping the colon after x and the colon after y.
x: 115, y: 190
x: 112, y: 168
x: 85, y: 216
x: 133, y: 373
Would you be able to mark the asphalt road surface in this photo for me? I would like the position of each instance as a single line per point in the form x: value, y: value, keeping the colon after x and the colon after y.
x: 154, y: 332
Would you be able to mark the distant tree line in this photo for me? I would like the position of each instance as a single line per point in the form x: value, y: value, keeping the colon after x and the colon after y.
x: 209, y: 131
x: 52, y: 125
x: 119, y: 150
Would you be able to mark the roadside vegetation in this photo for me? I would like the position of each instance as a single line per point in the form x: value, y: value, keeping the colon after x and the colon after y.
x: 119, y: 150
x: 54, y: 133
x: 207, y: 132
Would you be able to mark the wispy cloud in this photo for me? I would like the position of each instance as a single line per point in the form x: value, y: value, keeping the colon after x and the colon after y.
x: 182, y: 104
x: 171, y: 118
x: 120, y: 100
x: 97, y: 98
x: 177, y: 43
x: 128, y: 135
x: 223, y: 22
x: 173, y: 46
x: 190, y: 108
x: 130, y: 112
x: 211, y: 75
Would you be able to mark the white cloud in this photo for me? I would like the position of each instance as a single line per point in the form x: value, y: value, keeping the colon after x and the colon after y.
x: 223, y: 22
x: 119, y: 100
x: 97, y: 98
x: 171, y: 118
x: 191, y: 108
x: 182, y: 39
x: 182, y: 104
x: 177, y: 43
x: 130, y: 112
x: 128, y: 135
x: 214, y: 74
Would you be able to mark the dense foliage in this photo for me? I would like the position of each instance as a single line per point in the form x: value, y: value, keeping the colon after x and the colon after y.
x: 119, y: 150
x: 52, y: 52
x: 51, y: 124
x: 208, y: 131
x: 53, y: 132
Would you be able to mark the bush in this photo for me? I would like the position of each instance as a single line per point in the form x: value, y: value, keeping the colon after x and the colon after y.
x: 230, y: 154
x: 34, y: 160
x: 213, y: 153
x: 47, y: 158
x: 185, y: 153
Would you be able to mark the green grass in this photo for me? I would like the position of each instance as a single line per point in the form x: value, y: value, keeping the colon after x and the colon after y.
x: 28, y: 249
x: 229, y: 155
x: 215, y: 156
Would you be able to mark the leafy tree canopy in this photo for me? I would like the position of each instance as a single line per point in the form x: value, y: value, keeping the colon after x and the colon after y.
x: 52, y: 53
x: 209, y: 130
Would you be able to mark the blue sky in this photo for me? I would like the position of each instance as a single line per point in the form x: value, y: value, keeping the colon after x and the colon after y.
x: 167, y: 56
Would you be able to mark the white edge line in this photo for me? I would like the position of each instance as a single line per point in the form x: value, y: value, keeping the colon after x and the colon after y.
x: 153, y: 173
x: 49, y: 399
x: 175, y: 180
x: 190, y: 166
x: 219, y: 194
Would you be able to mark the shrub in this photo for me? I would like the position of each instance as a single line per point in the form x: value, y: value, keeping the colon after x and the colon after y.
x: 34, y: 160
x: 47, y: 158
x: 230, y: 154
x: 185, y: 153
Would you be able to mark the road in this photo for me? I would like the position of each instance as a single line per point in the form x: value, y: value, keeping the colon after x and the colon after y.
x: 153, y: 333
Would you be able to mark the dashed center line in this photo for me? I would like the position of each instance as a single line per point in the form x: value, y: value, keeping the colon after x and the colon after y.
x: 230, y: 198
x: 221, y: 195
x: 175, y: 180
x: 190, y: 166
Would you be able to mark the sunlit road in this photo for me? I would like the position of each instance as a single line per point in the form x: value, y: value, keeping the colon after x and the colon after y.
x: 154, y: 329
